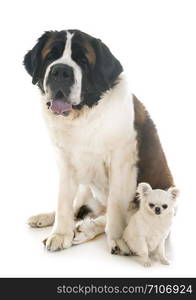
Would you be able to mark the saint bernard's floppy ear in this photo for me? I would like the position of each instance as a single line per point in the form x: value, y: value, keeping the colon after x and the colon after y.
x: 32, y: 60
x: 107, y: 67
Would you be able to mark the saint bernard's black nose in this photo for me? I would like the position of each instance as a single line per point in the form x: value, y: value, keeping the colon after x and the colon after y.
x: 62, y: 73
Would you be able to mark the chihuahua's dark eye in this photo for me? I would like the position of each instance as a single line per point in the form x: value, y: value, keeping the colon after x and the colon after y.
x: 151, y: 205
x: 164, y: 206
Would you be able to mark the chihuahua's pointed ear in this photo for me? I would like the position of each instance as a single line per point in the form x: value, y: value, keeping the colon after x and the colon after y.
x: 174, y: 192
x: 32, y: 60
x: 144, y: 188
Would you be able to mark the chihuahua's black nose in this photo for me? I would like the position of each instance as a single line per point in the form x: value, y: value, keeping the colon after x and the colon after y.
x: 157, y: 210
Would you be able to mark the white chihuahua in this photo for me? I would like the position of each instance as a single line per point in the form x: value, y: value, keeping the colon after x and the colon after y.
x: 149, y: 227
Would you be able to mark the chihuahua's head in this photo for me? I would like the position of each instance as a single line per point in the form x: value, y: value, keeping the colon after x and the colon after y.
x: 157, y: 202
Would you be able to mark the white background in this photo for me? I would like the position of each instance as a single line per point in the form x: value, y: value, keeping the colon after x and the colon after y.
x: 156, y: 43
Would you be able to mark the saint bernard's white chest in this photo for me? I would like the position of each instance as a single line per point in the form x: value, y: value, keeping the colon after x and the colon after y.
x: 90, y: 136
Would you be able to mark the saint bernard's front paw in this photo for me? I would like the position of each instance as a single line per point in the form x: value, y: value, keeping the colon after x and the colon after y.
x: 118, y: 247
x: 57, y: 242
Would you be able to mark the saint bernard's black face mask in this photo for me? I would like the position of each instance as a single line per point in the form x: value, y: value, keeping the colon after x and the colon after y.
x: 71, y: 69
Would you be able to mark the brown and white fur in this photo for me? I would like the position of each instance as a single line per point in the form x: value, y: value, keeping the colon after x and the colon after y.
x: 85, y: 148
x: 104, y: 150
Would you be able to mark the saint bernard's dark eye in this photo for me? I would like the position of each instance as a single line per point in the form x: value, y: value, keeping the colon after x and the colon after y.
x: 84, y: 60
x: 79, y: 57
x: 164, y: 206
x: 56, y: 51
x: 151, y: 205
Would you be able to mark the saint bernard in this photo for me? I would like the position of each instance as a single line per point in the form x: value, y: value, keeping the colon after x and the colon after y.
x: 105, y: 139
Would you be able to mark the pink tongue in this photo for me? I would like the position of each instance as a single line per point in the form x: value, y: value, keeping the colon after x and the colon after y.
x: 58, y: 106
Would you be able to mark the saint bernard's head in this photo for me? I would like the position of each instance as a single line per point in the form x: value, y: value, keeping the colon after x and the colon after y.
x: 72, y: 69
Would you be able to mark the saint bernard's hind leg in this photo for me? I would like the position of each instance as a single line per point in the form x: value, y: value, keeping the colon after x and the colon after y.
x: 81, y: 208
x: 88, y: 229
x: 85, y: 204
x: 41, y: 220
